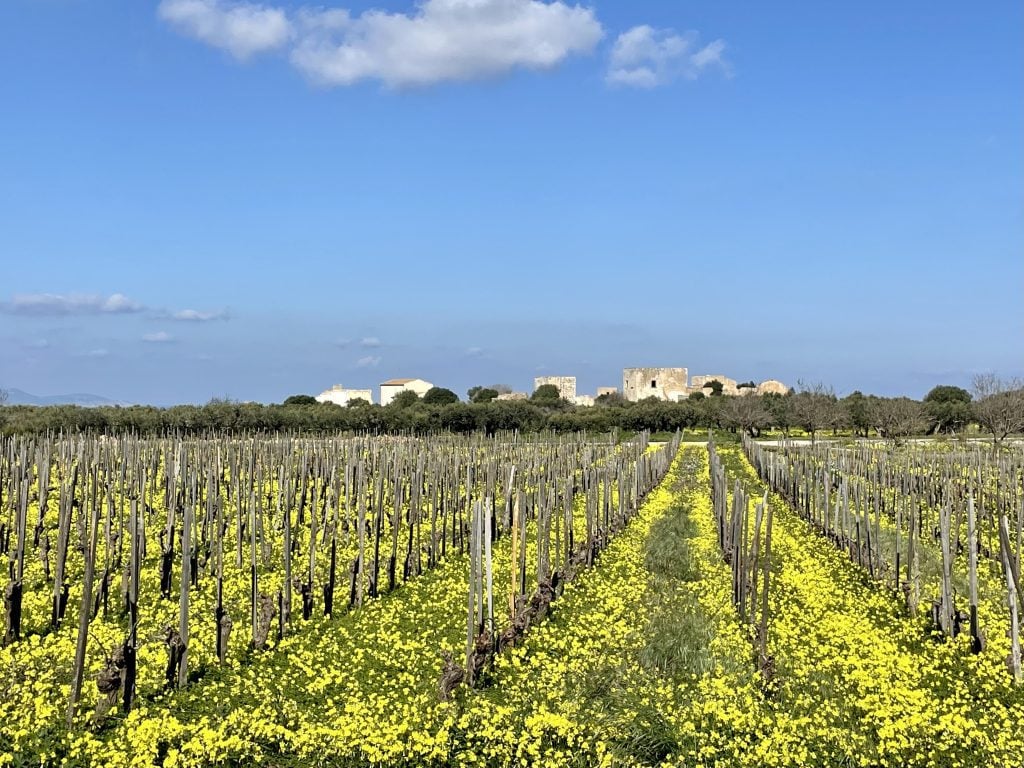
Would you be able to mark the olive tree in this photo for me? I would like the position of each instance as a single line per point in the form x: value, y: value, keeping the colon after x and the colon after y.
x: 546, y: 394
x: 814, y: 407
x: 300, y: 400
x: 780, y: 411
x: 482, y: 394
x: 746, y: 413
x: 948, y: 408
x: 404, y: 399
x: 897, y: 418
x: 999, y: 405
x: 440, y: 396
x: 858, y: 412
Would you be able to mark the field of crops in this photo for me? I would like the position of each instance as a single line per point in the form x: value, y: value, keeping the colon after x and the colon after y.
x: 507, y: 601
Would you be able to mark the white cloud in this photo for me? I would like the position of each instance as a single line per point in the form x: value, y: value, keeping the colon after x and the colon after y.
x: 120, y: 303
x: 370, y: 361
x: 474, y: 351
x: 160, y: 337
x: 369, y: 342
x: 438, y: 40
x: 442, y: 40
x: 197, y: 316
x: 95, y: 353
x: 644, y: 57
x: 70, y: 304
x: 238, y: 27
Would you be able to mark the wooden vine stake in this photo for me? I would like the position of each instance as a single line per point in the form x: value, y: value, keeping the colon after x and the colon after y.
x: 186, y: 581
x: 1014, y: 596
x: 15, y: 587
x: 977, y: 640
x: 471, y: 606
x: 221, y: 616
x: 84, y: 612
x: 131, y: 643
x: 488, y: 512
x: 514, y: 589
x: 913, y: 587
x: 945, y: 607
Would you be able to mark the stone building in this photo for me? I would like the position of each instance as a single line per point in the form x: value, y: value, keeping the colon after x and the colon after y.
x: 662, y: 383
x: 341, y: 396
x: 391, y: 387
x: 698, y: 383
x: 607, y: 391
x: 566, y: 385
x: 675, y: 384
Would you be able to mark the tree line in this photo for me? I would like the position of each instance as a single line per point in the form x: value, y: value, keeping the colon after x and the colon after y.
x: 996, y: 406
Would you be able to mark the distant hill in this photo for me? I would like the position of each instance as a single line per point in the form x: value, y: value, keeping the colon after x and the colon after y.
x: 21, y: 397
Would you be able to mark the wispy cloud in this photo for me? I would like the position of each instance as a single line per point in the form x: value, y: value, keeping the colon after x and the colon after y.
x: 43, y: 304
x: 242, y: 29
x: 474, y: 351
x: 370, y: 361
x: 160, y: 337
x: 199, y: 316
x: 369, y: 342
x: 437, y: 41
x: 644, y: 57
x: 94, y: 353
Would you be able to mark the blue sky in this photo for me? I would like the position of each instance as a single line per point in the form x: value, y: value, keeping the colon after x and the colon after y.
x: 208, y: 198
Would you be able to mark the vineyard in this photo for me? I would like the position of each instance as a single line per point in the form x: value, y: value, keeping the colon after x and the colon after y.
x: 505, y: 600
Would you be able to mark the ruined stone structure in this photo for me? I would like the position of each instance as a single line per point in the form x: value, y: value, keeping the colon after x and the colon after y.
x: 566, y: 385
x: 341, y: 396
x: 512, y: 396
x: 607, y: 391
x: 674, y: 384
x: 698, y: 383
x: 662, y: 383
x: 772, y: 387
x: 584, y: 400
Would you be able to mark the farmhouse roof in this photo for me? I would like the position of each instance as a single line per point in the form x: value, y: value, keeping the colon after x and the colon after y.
x: 395, y: 382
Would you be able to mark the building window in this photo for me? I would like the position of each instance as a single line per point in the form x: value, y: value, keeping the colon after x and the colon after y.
x: 654, y: 383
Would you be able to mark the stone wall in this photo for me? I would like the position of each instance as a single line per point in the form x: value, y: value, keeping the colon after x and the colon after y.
x: 512, y: 396
x: 772, y: 387
x: 566, y: 385
x: 697, y: 383
x: 662, y: 383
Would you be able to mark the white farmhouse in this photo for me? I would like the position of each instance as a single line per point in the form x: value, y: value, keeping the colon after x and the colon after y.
x: 391, y: 387
x: 341, y: 396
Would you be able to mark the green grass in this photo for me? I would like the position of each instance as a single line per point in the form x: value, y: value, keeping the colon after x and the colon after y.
x: 677, y: 635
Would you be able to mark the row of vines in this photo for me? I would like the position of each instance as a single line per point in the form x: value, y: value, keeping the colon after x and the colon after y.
x: 137, y: 568
x: 509, y: 602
